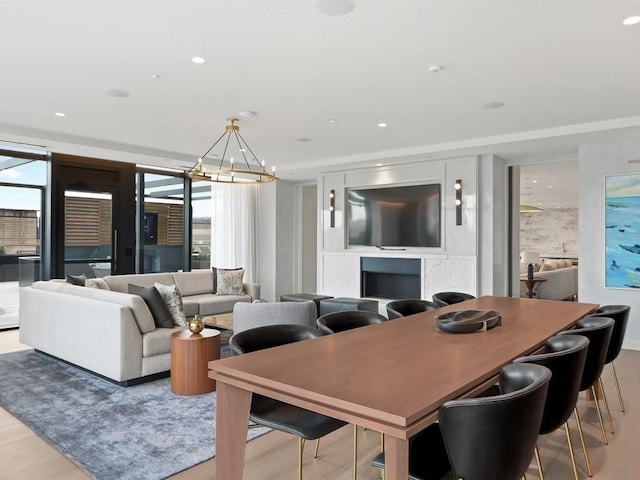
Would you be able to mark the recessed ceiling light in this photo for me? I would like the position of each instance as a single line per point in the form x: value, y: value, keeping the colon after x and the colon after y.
x: 631, y: 20
x: 436, y: 68
x: 534, y: 181
x: 378, y: 164
x: 492, y: 105
x: 155, y: 76
x: 334, y: 8
x: 303, y: 139
x: 197, y: 60
x: 247, y: 114
x: 549, y: 186
x: 114, y: 92
x: 382, y: 125
x: 59, y: 114
x: 333, y: 120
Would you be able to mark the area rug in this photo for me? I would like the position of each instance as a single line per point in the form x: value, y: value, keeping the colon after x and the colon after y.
x: 143, y: 432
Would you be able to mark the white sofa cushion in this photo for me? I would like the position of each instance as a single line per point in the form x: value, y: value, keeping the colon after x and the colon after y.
x: 141, y: 313
x: 158, y: 341
x: 120, y: 283
x: 195, y: 282
x: 209, y: 304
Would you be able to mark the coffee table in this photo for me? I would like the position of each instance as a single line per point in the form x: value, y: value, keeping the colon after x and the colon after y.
x: 223, y: 320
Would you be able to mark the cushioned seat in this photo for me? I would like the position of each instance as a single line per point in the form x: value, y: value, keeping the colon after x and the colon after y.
x: 341, y: 304
x: 252, y: 315
x: 442, y: 299
x: 403, y: 308
x: 341, y: 321
x: 486, y: 438
x: 305, y: 297
x: 306, y: 425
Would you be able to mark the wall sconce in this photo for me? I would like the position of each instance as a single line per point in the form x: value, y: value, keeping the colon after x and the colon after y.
x: 332, y: 208
x: 458, y: 187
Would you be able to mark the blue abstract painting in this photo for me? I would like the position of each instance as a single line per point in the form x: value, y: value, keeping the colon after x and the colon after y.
x: 622, y: 235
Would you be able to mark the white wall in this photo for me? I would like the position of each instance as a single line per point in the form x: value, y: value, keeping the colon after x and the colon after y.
x: 594, y: 162
x: 453, y: 266
x: 550, y: 231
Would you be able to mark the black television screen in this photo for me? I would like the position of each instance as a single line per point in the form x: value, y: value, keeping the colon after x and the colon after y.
x: 394, y: 216
x: 150, y: 228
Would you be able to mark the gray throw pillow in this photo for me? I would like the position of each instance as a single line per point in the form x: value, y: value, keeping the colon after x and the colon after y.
x: 214, y: 270
x: 173, y: 299
x: 159, y: 310
x: 79, y: 280
x: 230, y: 282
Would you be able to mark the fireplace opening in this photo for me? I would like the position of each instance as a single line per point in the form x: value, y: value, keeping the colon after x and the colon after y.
x: 390, y: 278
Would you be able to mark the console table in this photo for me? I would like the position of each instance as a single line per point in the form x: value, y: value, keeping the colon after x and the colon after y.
x: 531, y: 283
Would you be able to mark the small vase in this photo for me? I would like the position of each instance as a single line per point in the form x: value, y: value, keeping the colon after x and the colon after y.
x: 196, y: 324
x: 530, y: 271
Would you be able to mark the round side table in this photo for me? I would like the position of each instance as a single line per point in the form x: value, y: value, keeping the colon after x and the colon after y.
x: 190, y: 356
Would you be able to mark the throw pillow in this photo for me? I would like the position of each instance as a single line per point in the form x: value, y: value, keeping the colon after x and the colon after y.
x: 173, y: 299
x: 99, y: 283
x: 229, y: 282
x: 79, y: 280
x: 214, y: 270
x: 159, y: 310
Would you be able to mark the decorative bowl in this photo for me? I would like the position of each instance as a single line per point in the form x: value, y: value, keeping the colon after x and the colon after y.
x: 464, y: 321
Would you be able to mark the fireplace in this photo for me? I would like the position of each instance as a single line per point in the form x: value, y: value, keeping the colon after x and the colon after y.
x: 390, y: 278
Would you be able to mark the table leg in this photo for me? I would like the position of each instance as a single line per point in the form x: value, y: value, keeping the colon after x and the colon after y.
x: 396, y: 458
x: 232, y: 420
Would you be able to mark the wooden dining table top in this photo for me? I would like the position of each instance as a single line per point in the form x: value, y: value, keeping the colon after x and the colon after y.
x: 393, y: 376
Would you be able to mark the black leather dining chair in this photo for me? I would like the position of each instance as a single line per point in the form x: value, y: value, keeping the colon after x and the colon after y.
x: 335, y: 322
x: 403, y: 308
x: 306, y: 425
x: 484, y: 438
x: 598, y: 331
x: 620, y: 315
x: 565, y: 356
x: 442, y: 299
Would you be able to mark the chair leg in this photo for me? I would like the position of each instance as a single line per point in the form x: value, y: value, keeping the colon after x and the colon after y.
x: 606, y: 405
x: 538, y: 462
x: 615, y: 378
x: 300, y: 450
x: 315, y: 451
x: 573, y: 458
x: 584, y: 445
x: 595, y: 397
x: 355, y: 452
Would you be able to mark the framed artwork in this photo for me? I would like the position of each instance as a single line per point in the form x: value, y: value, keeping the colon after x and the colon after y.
x: 622, y: 231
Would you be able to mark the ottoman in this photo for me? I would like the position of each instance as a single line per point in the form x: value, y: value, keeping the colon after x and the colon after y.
x: 305, y: 297
x: 342, y: 304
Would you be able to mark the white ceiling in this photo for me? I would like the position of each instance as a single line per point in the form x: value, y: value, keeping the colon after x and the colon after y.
x: 567, y: 72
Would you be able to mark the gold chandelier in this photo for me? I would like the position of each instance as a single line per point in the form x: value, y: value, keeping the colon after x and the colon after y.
x: 249, y: 170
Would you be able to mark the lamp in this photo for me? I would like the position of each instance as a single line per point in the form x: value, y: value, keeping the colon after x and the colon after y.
x: 249, y: 171
x: 530, y: 258
x: 458, y: 187
x: 332, y: 208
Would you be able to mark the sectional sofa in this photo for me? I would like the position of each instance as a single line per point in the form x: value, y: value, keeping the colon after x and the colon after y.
x: 561, y: 280
x: 110, y: 332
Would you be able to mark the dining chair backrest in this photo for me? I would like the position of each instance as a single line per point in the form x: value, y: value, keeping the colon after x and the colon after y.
x: 442, y: 299
x: 620, y: 315
x: 489, y: 438
x: 565, y: 356
x: 270, y: 336
x: 403, y: 308
x: 335, y: 322
x: 598, y: 330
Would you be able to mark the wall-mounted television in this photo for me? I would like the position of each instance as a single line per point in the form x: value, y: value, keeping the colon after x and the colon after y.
x: 398, y: 216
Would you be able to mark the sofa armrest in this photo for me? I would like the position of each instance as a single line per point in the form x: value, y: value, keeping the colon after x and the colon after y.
x: 252, y: 289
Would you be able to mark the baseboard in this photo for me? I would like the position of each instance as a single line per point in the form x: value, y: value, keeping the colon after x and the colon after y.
x: 125, y: 383
x: 631, y: 345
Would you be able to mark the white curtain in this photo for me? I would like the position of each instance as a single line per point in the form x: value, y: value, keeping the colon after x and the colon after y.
x: 234, y: 229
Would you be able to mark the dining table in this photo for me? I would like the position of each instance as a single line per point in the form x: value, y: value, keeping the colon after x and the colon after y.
x: 390, y: 377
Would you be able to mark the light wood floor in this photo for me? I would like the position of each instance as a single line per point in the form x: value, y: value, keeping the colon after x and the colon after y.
x: 24, y: 456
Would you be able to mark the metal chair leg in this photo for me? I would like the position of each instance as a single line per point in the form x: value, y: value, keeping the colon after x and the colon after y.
x: 573, y: 458
x: 615, y: 378
x: 595, y: 397
x: 584, y: 445
x: 300, y: 450
x: 538, y: 462
x: 606, y: 405
x: 315, y: 451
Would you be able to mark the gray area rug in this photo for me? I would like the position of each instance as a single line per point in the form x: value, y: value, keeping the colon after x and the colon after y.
x: 143, y: 432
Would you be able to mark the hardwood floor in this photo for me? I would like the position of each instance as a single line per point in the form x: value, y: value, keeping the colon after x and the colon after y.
x: 24, y: 456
